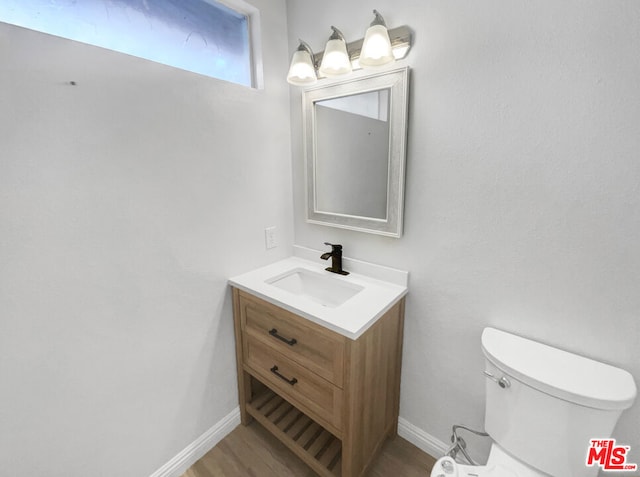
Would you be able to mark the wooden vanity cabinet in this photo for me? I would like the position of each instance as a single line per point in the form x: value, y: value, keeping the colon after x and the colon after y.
x: 330, y: 399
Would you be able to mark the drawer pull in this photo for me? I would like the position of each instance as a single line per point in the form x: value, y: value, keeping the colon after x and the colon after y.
x: 291, y: 381
x: 273, y: 332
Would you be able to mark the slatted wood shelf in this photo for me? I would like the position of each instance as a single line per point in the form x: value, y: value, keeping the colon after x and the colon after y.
x: 316, y: 446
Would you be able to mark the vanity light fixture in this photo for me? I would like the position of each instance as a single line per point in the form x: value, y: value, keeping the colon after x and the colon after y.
x: 376, y: 48
x: 302, y: 71
x: 336, y: 60
x: 379, y: 47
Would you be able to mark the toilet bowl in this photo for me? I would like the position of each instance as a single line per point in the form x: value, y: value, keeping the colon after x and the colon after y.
x: 543, y: 406
x: 500, y: 464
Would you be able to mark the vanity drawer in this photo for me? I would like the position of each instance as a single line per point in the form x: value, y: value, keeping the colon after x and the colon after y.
x: 313, y: 395
x: 312, y: 346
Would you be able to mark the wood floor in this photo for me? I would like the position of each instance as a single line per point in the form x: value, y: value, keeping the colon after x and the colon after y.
x: 251, y: 451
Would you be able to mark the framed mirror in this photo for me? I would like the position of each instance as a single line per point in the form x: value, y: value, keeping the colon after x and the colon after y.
x: 355, y: 138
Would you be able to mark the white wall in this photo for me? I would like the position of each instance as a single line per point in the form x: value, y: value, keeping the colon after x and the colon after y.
x: 126, y: 201
x: 523, y: 187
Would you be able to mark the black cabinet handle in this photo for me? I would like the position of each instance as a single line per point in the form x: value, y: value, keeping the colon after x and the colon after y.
x: 291, y: 381
x: 273, y: 332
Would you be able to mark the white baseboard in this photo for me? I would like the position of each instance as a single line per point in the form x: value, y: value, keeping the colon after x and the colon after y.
x: 203, y: 444
x: 422, y: 440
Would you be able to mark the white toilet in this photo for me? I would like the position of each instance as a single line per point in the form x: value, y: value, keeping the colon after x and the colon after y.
x: 543, y: 406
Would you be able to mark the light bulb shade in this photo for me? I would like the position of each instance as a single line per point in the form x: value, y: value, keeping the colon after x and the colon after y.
x: 376, y: 48
x: 301, y: 71
x: 335, y: 61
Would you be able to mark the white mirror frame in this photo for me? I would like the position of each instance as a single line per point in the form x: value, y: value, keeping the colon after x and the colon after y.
x: 397, y: 82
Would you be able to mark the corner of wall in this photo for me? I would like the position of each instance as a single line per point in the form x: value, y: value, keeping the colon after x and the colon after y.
x: 421, y: 439
x: 198, y: 448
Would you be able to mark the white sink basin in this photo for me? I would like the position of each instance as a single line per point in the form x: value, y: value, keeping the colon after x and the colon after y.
x: 320, y: 288
x: 347, y: 305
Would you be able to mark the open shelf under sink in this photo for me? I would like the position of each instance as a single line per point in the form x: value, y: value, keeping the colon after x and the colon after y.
x: 320, y: 449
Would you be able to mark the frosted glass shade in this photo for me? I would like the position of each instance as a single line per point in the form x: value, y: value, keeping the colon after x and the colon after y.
x: 301, y: 71
x: 335, y: 61
x: 376, y: 48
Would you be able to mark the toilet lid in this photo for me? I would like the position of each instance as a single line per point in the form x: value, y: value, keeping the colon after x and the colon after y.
x: 574, y: 378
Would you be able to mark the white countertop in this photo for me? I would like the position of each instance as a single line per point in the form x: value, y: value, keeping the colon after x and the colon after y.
x: 352, y: 318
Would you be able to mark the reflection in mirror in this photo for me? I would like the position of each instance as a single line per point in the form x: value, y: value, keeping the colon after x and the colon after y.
x: 355, y: 135
x: 353, y: 141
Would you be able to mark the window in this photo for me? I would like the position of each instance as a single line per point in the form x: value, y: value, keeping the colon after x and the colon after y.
x: 202, y: 36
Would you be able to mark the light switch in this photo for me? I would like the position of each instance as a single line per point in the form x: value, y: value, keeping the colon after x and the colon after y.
x: 270, y: 237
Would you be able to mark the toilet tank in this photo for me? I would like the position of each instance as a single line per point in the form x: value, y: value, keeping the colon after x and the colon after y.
x: 551, y: 403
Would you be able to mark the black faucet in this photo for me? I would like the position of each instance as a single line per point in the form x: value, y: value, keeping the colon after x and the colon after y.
x: 336, y: 259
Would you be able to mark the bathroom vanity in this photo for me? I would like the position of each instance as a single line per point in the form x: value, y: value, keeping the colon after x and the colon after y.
x: 328, y: 388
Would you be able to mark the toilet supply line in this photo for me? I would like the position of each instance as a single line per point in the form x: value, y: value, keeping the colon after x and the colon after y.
x: 459, y: 445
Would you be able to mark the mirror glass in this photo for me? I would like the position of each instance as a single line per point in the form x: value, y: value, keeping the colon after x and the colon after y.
x: 353, y: 150
x: 355, y: 135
